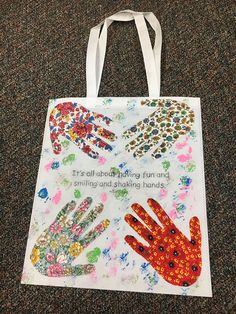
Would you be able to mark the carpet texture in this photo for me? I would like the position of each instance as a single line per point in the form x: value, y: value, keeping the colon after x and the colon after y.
x: 44, y: 53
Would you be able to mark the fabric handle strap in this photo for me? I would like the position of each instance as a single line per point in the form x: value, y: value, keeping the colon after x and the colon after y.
x: 97, y: 49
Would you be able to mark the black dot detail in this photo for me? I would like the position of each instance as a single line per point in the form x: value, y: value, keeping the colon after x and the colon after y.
x: 185, y: 284
x: 161, y: 248
x: 135, y: 219
x: 175, y: 253
x: 194, y: 268
x: 172, y: 231
x: 171, y: 265
x: 150, y: 237
x: 141, y: 248
x: 193, y: 242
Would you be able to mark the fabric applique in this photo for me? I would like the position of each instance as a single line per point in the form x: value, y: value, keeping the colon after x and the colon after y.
x: 161, y: 128
x: 65, y: 239
x: 176, y: 258
x: 78, y: 124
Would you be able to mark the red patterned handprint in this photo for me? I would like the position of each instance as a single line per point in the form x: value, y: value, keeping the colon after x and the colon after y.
x: 77, y: 124
x: 176, y: 258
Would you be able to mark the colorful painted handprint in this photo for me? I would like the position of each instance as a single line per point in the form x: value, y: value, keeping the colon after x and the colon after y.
x: 161, y: 128
x: 78, y: 124
x: 65, y: 239
x: 175, y: 257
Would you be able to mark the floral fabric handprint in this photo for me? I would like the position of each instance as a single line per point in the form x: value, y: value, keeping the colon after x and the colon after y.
x: 78, y: 124
x: 175, y: 257
x: 161, y: 128
x: 65, y: 239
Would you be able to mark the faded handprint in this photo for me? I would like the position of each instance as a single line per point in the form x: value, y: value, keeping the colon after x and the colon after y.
x: 176, y: 258
x: 161, y: 128
x: 65, y: 239
x: 78, y: 124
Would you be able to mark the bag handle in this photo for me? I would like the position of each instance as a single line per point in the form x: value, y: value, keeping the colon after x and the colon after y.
x: 97, y: 48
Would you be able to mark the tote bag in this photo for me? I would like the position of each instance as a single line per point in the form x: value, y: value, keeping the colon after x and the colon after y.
x: 120, y: 195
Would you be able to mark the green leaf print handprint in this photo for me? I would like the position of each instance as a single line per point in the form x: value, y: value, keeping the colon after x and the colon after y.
x: 65, y: 239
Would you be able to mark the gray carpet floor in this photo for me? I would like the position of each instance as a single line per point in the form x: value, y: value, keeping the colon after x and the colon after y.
x: 44, y: 53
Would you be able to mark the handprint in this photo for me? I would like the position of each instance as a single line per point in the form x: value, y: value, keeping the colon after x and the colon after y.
x: 161, y: 128
x: 65, y: 239
x: 78, y: 125
x: 176, y: 258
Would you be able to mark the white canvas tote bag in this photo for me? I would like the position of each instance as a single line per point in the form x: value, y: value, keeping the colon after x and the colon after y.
x: 120, y: 195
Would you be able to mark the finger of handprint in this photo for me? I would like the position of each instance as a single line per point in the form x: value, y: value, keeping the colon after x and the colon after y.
x: 195, y: 231
x: 147, y: 145
x: 81, y: 209
x: 92, y: 139
x: 101, y: 118
x: 83, y: 145
x: 91, y: 116
x: 163, y: 148
x: 137, y: 246
x: 79, y: 228
x: 149, y: 222
x: 94, y: 233
x: 140, y: 126
x: 159, y: 212
x: 104, y: 133
x: 144, y: 232
x: 78, y: 270
x: 64, y: 212
x: 144, y: 136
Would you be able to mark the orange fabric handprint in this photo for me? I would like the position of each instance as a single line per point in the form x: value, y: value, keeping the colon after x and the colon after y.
x: 175, y: 257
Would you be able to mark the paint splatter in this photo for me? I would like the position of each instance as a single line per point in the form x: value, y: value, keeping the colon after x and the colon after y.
x: 106, y: 253
x: 103, y: 197
x: 131, y: 104
x: 121, y: 194
x: 166, y: 165
x: 43, y: 193
x: 93, y: 276
x: 118, y: 117
x: 107, y: 101
x: 182, y: 196
x: 181, y: 145
x: 180, y: 208
x: 77, y: 194
x: 48, y: 166
x: 173, y: 214
x: 151, y: 280
x: 185, y: 182
x: 193, y: 134
x: 184, y: 157
x: 123, y: 258
x: 68, y: 160
x: 144, y: 268
x: 57, y: 198
x: 65, y: 144
x: 55, y: 165
x: 115, y: 171
x: 190, y: 166
x: 130, y: 279
x: 163, y: 193
x: 114, y: 240
x: 93, y: 255
x: 113, y: 270
x: 101, y: 160
x: 62, y: 180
